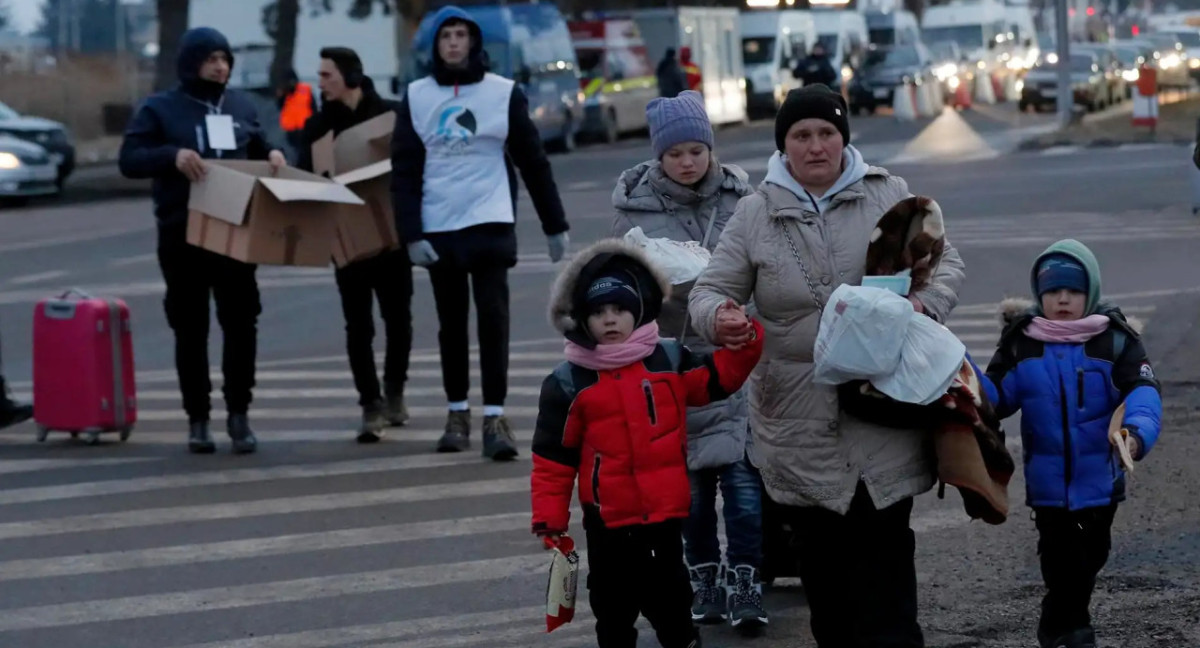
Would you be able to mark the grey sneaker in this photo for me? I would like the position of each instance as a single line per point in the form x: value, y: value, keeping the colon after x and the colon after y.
x: 745, y: 598
x: 396, y: 412
x: 458, y: 432
x: 499, y: 443
x: 373, y: 423
x: 708, y: 604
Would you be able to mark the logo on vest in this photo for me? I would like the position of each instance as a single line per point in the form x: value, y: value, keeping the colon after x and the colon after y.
x: 456, y: 127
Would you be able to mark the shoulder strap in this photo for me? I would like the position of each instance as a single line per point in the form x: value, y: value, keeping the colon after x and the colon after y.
x: 566, y: 379
x: 1119, y: 339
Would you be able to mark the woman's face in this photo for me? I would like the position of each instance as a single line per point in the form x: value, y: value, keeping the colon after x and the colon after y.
x: 610, y: 324
x: 686, y: 163
x: 814, y: 152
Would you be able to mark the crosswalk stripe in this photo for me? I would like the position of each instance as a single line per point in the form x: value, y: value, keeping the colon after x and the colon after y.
x: 12, y: 466
x: 341, y: 393
x: 317, y: 413
x: 229, y: 477
x: 258, y: 547
x: 129, y: 608
x: 276, y: 506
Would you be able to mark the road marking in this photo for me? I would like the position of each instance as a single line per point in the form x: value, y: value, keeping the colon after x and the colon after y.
x: 278, y: 506
x: 35, y: 278
x: 134, y: 260
x: 242, y: 596
x: 12, y: 466
x: 325, y: 540
x: 229, y: 477
x: 343, y: 393
x: 992, y: 307
x: 326, y: 413
x: 71, y: 238
x: 1061, y: 150
x: 432, y: 353
x: 584, y: 185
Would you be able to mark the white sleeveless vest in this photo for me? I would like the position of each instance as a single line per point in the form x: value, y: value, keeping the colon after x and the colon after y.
x: 466, y: 177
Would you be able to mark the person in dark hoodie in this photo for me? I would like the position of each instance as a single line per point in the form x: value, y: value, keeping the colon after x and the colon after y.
x: 349, y: 98
x: 455, y: 194
x: 168, y: 139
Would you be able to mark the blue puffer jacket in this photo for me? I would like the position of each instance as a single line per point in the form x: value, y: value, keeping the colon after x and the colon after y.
x: 1067, y: 394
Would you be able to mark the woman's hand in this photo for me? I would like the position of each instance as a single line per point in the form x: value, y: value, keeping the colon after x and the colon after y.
x: 733, y: 329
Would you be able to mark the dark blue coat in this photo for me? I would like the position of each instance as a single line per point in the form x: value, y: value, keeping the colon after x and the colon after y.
x: 1067, y: 393
x: 172, y: 120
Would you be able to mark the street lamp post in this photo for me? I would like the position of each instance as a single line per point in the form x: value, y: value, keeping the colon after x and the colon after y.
x: 1066, y: 92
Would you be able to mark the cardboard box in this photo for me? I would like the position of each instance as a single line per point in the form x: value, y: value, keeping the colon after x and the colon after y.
x: 244, y: 210
x: 361, y: 158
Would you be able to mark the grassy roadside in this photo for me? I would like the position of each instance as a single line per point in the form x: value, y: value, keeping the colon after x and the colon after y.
x: 1176, y: 125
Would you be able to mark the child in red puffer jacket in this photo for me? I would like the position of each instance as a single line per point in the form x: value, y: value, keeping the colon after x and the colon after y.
x: 614, y: 414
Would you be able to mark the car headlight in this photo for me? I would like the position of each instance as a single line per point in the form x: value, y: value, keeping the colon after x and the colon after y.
x: 1194, y: 63
x: 945, y: 71
x: 9, y: 161
x: 1131, y: 76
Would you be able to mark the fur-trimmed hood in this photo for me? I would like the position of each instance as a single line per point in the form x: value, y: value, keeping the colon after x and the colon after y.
x: 567, y: 305
x: 1013, y: 310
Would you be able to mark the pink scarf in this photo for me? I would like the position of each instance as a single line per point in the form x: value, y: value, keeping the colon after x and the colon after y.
x: 1067, y: 332
x: 606, y: 357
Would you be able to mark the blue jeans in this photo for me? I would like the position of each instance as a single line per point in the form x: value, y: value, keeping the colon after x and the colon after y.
x: 741, y: 490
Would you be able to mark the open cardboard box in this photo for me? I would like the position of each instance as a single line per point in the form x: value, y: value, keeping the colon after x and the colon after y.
x: 244, y: 210
x: 361, y: 159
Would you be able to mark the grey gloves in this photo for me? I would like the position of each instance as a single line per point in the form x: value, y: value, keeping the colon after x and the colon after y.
x: 558, y: 246
x: 421, y: 253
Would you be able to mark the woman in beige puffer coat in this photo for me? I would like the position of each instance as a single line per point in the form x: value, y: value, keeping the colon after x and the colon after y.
x: 846, y: 486
x: 684, y: 194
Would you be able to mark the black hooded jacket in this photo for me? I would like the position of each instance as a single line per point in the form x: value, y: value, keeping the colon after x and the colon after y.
x: 523, y: 148
x: 336, y: 116
x: 169, y: 121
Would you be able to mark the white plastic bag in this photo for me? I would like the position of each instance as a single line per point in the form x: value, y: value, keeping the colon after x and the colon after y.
x: 683, y: 261
x: 861, y: 333
x: 561, y: 587
x: 929, y: 361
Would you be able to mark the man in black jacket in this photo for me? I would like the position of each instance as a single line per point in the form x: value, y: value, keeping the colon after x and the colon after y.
x: 349, y: 99
x: 168, y: 139
x: 455, y: 194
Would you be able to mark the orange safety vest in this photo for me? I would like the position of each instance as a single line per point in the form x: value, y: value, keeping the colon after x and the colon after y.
x: 297, y: 108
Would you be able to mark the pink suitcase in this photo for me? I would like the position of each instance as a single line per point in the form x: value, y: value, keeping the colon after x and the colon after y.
x: 83, y: 367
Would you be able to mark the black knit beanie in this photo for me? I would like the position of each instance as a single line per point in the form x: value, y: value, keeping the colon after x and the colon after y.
x: 815, y: 101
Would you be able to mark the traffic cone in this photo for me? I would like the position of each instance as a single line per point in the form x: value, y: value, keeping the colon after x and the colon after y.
x: 984, y: 93
x: 998, y: 88
x: 962, y: 95
x: 902, y: 103
x: 924, y: 101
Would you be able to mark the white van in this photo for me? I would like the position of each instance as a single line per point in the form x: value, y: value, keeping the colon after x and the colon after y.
x: 980, y: 28
x: 845, y: 37
x: 891, y: 28
x: 1025, y: 50
x: 773, y: 44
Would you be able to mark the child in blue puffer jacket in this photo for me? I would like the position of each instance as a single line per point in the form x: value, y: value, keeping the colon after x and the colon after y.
x: 1068, y: 363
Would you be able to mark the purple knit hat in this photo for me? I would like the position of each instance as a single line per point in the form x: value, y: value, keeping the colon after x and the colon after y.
x: 676, y: 120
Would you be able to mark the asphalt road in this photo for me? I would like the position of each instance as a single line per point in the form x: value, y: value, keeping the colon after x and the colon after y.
x: 317, y: 542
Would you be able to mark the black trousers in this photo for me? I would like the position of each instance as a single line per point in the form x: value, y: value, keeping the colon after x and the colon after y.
x: 193, y: 274
x: 388, y: 278
x: 638, y: 570
x: 859, y: 574
x: 452, y: 289
x: 1073, y: 546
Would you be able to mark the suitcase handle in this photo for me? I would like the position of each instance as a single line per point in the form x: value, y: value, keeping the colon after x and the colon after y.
x: 80, y: 292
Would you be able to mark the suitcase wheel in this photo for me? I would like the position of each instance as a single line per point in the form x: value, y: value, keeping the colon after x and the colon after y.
x: 125, y: 432
x: 42, y: 433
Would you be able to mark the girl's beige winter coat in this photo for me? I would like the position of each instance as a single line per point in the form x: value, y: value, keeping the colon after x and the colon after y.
x: 810, y: 452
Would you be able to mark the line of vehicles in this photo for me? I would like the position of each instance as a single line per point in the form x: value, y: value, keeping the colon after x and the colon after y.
x: 592, y: 77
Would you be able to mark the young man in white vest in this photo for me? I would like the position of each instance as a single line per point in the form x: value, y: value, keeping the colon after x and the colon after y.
x: 455, y: 194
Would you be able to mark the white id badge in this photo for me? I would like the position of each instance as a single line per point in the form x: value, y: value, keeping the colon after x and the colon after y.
x: 220, y: 132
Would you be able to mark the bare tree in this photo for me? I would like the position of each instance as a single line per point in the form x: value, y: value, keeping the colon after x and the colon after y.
x: 172, y: 22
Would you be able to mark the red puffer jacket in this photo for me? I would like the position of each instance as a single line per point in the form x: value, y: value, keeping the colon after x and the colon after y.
x: 624, y: 433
